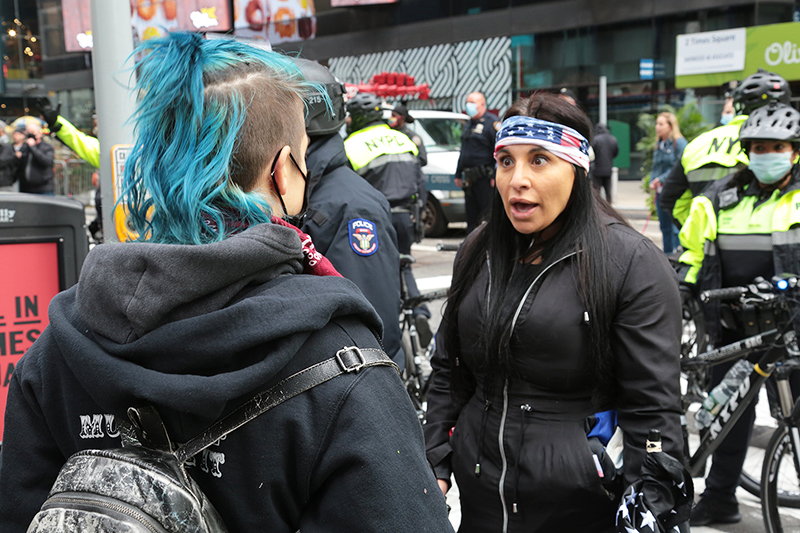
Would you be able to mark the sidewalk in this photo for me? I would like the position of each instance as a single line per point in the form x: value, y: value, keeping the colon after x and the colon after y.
x: 631, y: 202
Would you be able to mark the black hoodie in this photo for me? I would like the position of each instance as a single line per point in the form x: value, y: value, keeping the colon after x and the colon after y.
x: 196, y: 331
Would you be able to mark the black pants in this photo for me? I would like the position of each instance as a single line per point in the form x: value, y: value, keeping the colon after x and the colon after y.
x: 97, y: 224
x: 405, y: 237
x: 478, y: 202
x: 603, y: 182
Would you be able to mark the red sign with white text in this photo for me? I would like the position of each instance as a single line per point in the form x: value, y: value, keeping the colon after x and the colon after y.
x: 29, y: 281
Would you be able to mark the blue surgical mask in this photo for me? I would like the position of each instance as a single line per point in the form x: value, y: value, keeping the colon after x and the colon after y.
x: 725, y: 118
x: 472, y: 109
x: 771, y: 167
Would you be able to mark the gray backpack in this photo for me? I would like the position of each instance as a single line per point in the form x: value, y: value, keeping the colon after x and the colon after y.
x: 143, y: 487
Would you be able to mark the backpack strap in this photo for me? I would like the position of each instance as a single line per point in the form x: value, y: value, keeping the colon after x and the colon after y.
x: 347, y: 360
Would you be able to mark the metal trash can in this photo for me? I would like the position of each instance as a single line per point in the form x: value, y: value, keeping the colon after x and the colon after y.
x: 43, y: 243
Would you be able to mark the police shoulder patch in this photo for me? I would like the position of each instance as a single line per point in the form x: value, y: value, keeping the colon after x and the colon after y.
x: 363, y: 236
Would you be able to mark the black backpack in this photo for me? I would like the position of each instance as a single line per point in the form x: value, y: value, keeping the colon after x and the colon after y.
x: 143, y: 487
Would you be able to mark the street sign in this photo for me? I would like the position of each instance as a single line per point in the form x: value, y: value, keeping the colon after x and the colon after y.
x: 709, y: 52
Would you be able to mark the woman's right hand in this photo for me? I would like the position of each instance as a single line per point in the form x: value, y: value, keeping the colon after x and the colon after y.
x: 444, y: 485
x: 655, y: 184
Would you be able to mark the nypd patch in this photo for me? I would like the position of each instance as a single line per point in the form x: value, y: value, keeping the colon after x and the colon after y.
x: 363, y: 236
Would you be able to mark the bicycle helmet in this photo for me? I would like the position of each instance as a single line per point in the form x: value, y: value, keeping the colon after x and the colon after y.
x: 320, y: 120
x: 773, y: 122
x: 760, y: 89
x: 364, y: 108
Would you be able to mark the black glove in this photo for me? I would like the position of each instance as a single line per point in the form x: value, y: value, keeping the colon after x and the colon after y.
x: 49, y: 113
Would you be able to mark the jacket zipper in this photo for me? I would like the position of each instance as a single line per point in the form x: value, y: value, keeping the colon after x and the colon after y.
x: 87, y: 500
x: 501, y: 434
x: 503, y: 459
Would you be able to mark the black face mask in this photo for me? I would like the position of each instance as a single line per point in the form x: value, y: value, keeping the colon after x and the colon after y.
x: 298, y: 219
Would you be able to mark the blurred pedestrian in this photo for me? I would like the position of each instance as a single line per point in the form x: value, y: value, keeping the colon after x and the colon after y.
x: 475, y: 169
x: 605, y: 149
x: 667, y: 153
x: 8, y: 163
x: 562, y: 327
x: 35, y: 162
x: 728, y: 112
x: 348, y: 219
x: 399, y: 121
x: 568, y: 96
x: 218, y: 300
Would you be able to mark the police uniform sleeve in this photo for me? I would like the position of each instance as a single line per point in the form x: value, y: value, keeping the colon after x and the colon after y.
x: 87, y: 147
x: 701, y: 226
x: 376, y: 273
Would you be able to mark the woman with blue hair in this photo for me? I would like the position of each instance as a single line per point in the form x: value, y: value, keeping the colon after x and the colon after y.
x: 217, y: 300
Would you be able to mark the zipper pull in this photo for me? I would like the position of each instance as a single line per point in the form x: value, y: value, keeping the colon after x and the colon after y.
x: 514, y: 508
x: 477, y: 469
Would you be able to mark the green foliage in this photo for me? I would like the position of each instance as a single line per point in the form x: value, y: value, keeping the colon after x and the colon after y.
x: 691, y: 123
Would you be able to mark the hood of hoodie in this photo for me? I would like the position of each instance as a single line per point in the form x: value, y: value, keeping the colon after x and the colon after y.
x: 600, y: 128
x: 324, y: 155
x: 192, y: 328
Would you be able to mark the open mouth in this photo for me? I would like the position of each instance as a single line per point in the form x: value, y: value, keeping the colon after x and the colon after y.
x: 522, y: 207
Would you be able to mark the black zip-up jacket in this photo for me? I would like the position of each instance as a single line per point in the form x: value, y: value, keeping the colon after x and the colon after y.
x: 196, y: 331
x: 35, y: 168
x: 338, y: 196
x: 520, y: 455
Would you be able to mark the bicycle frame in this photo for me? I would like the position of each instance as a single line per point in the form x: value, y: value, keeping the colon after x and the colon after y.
x: 733, y: 409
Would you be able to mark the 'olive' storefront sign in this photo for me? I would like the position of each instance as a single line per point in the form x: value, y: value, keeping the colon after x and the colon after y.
x: 775, y: 47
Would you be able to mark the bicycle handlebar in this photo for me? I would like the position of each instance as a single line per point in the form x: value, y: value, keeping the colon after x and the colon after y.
x: 446, y: 247
x: 726, y: 293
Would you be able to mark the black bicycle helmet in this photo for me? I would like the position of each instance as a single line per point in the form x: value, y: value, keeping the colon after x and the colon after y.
x: 772, y: 122
x: 364, y: 108
x: 320, y: 121
x: 760, y: 89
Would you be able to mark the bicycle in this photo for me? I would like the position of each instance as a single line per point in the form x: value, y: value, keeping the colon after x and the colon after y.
x: 769, y: 308
x: 417, y: 373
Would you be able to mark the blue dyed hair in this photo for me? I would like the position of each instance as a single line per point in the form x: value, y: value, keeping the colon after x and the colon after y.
x: 210, y: 118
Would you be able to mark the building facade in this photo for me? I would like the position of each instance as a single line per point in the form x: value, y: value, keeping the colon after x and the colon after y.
x: 504, y: 48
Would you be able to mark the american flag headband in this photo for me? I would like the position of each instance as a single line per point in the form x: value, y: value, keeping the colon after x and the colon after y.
x: 562, y: 141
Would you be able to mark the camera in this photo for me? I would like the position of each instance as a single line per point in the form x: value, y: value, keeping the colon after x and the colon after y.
x: 31, y: 136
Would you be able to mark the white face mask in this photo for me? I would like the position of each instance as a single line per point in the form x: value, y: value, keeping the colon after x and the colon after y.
x: 472, y: 109
x: 771, y: 167
x: 726, y: 118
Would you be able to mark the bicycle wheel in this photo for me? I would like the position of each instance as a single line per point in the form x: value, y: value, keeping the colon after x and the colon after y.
x: 779, y: 476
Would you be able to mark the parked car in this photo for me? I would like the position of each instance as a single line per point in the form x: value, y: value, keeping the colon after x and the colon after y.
x: 441, y: 134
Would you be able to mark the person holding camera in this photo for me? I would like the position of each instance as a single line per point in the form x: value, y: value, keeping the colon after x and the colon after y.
x: 35, y: 162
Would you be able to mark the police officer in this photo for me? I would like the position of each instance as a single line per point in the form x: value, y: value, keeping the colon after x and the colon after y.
x: 348, y: 220
x: 399, y: 121
x: 475, y: 170
x: 717, y: 153
x: 387, y: 159
x: 738, y: 229
x: 87, y: 148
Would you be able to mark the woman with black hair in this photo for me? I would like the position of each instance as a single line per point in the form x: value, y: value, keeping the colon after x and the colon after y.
x: 562, y: 324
